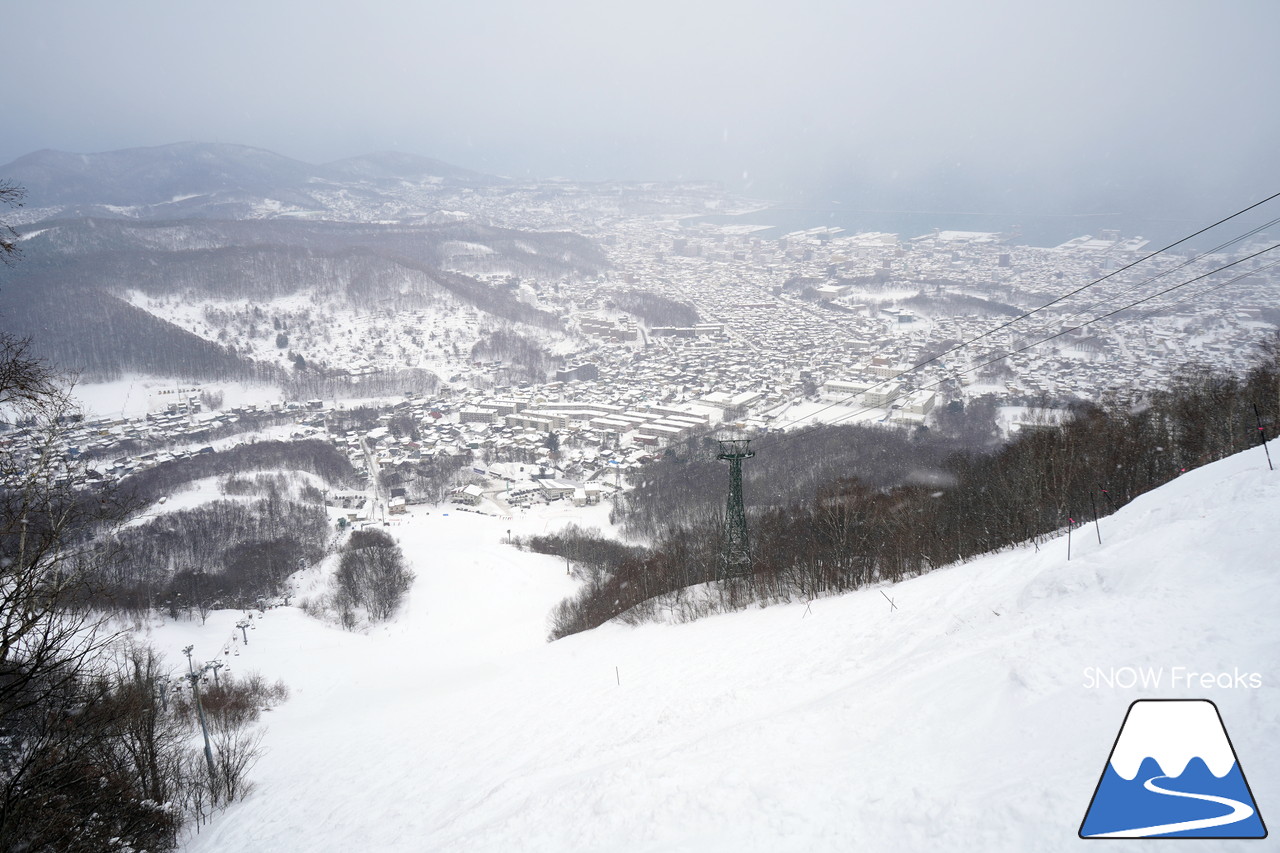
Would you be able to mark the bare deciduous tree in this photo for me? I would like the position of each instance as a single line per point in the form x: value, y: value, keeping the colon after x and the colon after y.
x: 94, y: 756
x: 48, y: 514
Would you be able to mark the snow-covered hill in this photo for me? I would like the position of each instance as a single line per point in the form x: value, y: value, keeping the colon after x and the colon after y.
x: 971, y: 717
x: 186, y: 177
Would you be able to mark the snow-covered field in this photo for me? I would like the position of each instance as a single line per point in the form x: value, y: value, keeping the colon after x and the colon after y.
x: 809, y: 413
x: 965, y: 719
x: 138, y: 394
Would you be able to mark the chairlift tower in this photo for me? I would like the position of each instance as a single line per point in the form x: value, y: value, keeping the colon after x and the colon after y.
x: 735, y: 557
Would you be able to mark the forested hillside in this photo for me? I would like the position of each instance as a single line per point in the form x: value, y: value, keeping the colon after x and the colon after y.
x: 69, y: 294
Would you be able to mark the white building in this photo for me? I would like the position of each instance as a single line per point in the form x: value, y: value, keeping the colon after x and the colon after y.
x: 882, y: 395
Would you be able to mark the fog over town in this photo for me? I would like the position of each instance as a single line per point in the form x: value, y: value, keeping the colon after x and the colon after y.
x: 575, y: 426
x: 1152, y: 110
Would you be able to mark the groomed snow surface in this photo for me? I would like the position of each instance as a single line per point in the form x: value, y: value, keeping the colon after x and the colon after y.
x: 962, y: 720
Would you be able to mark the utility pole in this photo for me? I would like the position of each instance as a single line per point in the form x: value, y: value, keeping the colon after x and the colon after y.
x: 735, y: 556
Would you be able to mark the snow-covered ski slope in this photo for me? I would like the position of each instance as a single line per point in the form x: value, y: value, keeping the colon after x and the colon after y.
x: 966, y: 719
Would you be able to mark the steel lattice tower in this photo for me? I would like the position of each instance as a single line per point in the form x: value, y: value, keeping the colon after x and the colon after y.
x: 736, y: 555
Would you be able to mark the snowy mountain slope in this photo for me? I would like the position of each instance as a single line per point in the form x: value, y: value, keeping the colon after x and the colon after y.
x: 966, y: 719
x: 186, y: 298
x: 154, y: 174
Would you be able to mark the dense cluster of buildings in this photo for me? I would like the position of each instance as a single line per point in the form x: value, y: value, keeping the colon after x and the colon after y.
x: 793, y: 317
x: 592, y: 422
x: 894, y: 326
x: 782, y: 312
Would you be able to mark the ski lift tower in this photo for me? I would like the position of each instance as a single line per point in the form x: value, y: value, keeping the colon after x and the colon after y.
x: 735, y: 558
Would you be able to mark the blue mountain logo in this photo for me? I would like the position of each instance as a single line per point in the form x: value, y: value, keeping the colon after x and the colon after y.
x: 1173, y: 773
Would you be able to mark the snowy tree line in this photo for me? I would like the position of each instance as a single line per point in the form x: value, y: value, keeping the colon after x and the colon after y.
x: 223, y: 554
x: 101, y: 337
x: 958, y: 305
x: 655, y: 309
x: 850, y: 532
x: 312, y: 455
x: 67, y: 297
x: 429, y: 480
x: 528, y: 359
x: 687, y: 484
x: 546, y: 253
x: 227, y: 553
x: 586, y: 552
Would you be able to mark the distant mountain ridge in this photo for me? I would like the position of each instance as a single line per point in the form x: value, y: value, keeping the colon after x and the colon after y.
x: 398, y: 166
x: 171, y: 173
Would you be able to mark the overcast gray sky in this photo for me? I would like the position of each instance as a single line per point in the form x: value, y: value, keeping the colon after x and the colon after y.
x: 1072, y: 105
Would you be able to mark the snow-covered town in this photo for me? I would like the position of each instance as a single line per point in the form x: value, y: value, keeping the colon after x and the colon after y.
x: 777, y: 332
x: 581, y: 427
